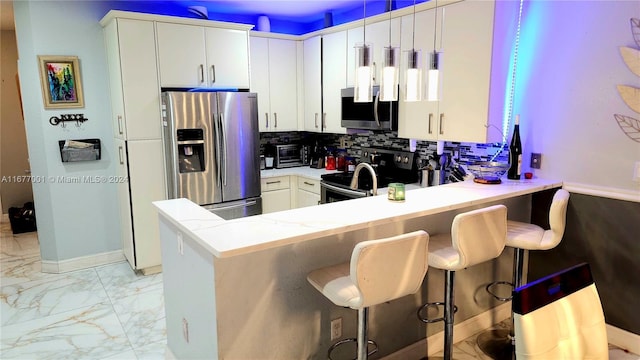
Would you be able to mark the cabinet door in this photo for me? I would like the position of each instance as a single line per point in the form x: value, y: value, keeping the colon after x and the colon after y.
x: 227, y: 58
x: 140, y: 85
x: 466, y: 70
x: 307, y: 198
x: 276, y: 200
x: 334, y: 73
x: 115, y: 78
x: 312, y: 84
x: 283, y: 84
x: 418, y: 120
x: 181, y: 54
x: 124, y: 203
x: 260, y: 80
x: 147, y: 184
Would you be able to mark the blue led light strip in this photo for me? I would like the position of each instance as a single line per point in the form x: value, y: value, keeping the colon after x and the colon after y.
x: 512, y: 88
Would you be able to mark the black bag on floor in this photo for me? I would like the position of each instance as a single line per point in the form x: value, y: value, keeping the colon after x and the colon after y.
x: 22, y: 219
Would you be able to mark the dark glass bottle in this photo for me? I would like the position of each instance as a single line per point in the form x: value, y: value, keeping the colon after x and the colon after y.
x: 515, y: 153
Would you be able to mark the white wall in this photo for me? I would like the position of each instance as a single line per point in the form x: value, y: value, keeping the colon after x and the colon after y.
x: 566, y: 93
x: 77, y: 219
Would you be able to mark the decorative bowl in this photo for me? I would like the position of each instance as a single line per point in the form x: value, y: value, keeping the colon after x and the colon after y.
x: 487, y: 172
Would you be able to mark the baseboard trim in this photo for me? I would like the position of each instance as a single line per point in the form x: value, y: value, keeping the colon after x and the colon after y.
x: 83, y: 262
x: 623, y: 339
x: 463, y: 330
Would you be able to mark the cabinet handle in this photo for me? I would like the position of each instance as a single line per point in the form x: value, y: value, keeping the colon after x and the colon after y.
x: 273, y: 182
x: 201, y: 73
x: 324, y: 120
x: 316, y: 120
x: 120, y: 124
x: 275, y: 120
x: 213, y: 74
x: 266, y: 120
x: 308, y: 183
x: 430, y: 118
x: 120, y: 154
x: 442, y: 124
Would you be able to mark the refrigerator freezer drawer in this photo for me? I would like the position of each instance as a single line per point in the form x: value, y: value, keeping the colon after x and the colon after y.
x: 237, y: 209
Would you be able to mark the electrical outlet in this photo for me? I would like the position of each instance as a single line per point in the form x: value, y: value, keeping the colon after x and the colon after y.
x: 536, y: 160
x: 180, y: 244
x: 336, y: 328
x: 636, y: 172
x: 185, y: 329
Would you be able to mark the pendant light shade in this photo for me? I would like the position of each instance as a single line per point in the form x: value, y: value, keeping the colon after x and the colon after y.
x: 433, y: 78
x: 413, y: 76
x: 364, y: 74
x: 389, y: 80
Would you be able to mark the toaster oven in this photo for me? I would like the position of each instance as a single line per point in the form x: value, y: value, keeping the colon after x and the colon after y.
x: 289, y: 155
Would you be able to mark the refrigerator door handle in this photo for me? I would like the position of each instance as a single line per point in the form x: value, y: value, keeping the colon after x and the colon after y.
x: 224, y: 151
x: 217, y: 149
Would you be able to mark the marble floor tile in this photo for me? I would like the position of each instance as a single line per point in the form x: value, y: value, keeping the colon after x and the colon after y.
x: 39, y: 298
x: 89, y: 333
x: 119, y: 280
x: 142, y: 317
x: 155, y: 351
x: 21, y: 245
x: 18, y: 269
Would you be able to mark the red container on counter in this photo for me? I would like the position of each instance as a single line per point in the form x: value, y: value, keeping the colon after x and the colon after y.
x: 341, y: 163
x: 330, y: 162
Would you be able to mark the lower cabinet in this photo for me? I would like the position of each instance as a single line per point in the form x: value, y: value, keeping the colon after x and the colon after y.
x: 308, y: 192
x: 276, y: 194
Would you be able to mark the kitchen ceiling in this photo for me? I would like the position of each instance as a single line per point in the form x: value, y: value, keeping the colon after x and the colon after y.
x: 286, y: 16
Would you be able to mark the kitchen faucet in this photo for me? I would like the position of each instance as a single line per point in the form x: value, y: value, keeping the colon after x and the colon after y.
x: 354, y: 181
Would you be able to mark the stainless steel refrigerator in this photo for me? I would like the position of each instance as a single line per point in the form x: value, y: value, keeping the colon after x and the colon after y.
x: 212, y: 150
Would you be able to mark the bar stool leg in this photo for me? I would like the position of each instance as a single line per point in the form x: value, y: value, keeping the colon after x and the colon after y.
x: 363, y: 319
x: 448, y: 313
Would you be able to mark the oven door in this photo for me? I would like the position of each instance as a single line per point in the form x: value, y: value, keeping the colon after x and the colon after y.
x: 331, y: 193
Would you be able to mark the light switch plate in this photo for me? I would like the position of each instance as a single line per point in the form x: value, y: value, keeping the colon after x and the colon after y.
x: 536, y: 160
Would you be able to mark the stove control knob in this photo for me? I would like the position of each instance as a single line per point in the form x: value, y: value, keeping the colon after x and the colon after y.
x: 398, y: 158
x: 406, y: 160
x: 366, y: 154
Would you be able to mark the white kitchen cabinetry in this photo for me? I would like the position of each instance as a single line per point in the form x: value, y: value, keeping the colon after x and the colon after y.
x: 199, y: 56
x: 312, y: 74
x: 135, y: 100
x: 308, y: 192
x: 377, y: 35
x: 473, y: 73
x: 273, y: 78
x: 334, y: 73
x: 133, y: 73
x: 276, y: 194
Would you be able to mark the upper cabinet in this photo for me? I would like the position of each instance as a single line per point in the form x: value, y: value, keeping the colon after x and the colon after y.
x: 312, y: 75
x: 273, y: 78
x: 135, y: 100
x: 334, y: 73
x: 379, y: 35
x: 473, y: 71
x: 197, y: 56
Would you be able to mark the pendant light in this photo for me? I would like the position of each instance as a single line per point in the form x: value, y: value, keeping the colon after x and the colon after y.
x: 389, y: 79
x: 433, y: 76
x: 413, y: 73
x: 363, y: 91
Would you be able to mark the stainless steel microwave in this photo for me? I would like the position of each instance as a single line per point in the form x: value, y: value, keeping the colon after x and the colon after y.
x: 375, y: 115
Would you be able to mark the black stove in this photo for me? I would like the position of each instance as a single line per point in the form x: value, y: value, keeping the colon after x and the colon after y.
x: 390, y: 166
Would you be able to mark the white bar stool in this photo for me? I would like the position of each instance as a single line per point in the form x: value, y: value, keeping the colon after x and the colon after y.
x: 379, y: 271
x: 476, y: 236
x: 498, y: 344
x: 560, y: 317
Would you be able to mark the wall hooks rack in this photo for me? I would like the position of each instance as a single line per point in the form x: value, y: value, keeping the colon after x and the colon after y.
x: 78, y: 118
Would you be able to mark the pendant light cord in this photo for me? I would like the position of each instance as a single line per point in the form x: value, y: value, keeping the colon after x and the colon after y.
x: 435, y: 26
x: 413, y: 34
x: 364, y: 23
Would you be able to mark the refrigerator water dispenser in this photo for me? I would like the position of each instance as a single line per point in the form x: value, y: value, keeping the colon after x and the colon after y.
x: 191, y: 150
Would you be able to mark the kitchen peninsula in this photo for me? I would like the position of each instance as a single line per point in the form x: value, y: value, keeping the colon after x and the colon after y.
x: 237, y: 289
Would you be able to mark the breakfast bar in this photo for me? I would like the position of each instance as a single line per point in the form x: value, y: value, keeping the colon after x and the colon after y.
x: 237, y: 289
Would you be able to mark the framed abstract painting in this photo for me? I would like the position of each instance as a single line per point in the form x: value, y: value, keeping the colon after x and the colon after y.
x: 60, y: 81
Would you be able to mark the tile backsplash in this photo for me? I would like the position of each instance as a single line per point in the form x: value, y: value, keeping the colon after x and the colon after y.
x: 353, y: 143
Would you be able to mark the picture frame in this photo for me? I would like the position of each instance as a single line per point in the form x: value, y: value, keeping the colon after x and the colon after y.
x: 60, y: 81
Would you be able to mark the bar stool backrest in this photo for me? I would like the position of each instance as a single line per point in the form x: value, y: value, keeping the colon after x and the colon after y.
x: 390, y: 268
x: 557, y: 220
x: 560, y: 317
x: 479, y: 235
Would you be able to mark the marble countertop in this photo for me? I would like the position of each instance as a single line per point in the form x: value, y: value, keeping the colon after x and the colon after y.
x: 225, y: 238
